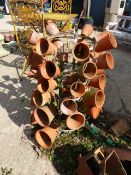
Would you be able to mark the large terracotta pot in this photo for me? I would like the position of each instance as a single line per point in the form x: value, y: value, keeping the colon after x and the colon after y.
x: 87, y: 30
x: 51, y: 28
x: 81, y: 52
x: 48, y: 70
x: 44, y: 115
x: 105, y: 61
x: 105, y: 41
x: 68, y: 106
x: 75, y: 121
x: 46, y: 136
x: 99, y: 81
x: 88, y: 70
x: 34, y: 37
x: 34, y: 59
x: 45, y: 47
x: 77, y: 89
x: 92, y: 111
x: 45, y: 85
x: 39, y: 99
x: 94, y: 97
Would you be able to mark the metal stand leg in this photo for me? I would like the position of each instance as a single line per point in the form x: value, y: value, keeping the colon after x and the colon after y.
x: 23, y: 68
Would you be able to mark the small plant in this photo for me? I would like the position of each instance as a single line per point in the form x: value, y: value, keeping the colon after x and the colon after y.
x: 5, y: 171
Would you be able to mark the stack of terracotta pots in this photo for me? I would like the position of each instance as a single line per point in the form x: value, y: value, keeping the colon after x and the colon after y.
x: 82, y: 90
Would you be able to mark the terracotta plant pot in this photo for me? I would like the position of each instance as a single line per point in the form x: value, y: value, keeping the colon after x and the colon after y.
x: 81, y: 52
x: 77, y: 89
x: 92, y: 111
x: 45, y: 85
x: 99, y: 81
x: 34, y: 59
x: 34, y: 37
x: 48, y: 70
x: 105, y: 61
x: 58, y: 71
x: 105, y: 41
x: 68, y: 106
x: 46, y: 137
x: 87, y: 30
x: 44, y: 115
x: 94, y: 97
x: 40, y: 99
x: 88, y: 70
x: 75, y: 121
x: 51, y: 28
x: 45, y: 47
x: 58, y: 44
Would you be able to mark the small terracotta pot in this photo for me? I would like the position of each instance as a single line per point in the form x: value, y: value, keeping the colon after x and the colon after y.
x: 45, y: 47
x: 46, y: 137
x: 88, y: 70
x: 40, y: 99
x: 51, y: 28
x: 75, y: 121
x: 94, y: 97
x: 44, y: 115
x: 105, y: 41
x: 87, y: 30
x: 34, y: 59
x: 58, y: 44
x: 77, y: 89
x: 81, y: 52
x: 68, y: 106
x: 99, y: 81
x: 48, y: 70
x: 105, y: 61
x: 45, y: 85
x: 34, y: 37
x: 92, y: 111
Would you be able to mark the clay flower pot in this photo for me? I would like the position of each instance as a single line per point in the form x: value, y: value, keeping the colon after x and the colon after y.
x: 75, y: 121
x: 68, y: 106
x: 34, y: 59
x: 48, y: 70
x: 45, y: 47
x: 46, y: 136
x: 92, y: 111
x: 105, y: 61
x: 87, y: 30
x: 45, y: 85
x: 44, y: 115
x: 51, y: 28
x: 39, y: 99
x: 34, y: 37
x: 88, y: 70
x: 58, y: 44
x: 94, y: 97
x: 99, y: 81
x: 77, y: 89
x: 81, y: 52
x: 105, y: 41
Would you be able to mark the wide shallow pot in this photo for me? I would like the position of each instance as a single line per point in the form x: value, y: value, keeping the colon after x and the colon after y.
x: 51, y: 28
x: 94, y: 97
x: 75, y: 121
x: 105, y: 61
x: 68, y: 106
x: 48, y: 70
x: 88, y: 70
x: 34, y: 59
x: 99, y: 81
x: 81, y: 52
x: 46, y: 136
x: 45, y: 47
x: 92, y: 111
x: 40, y: 99
x: 44, y: 115
x: 45, y: 85
x: 34, y: 37
x: 77, y: 89
x: 87, y: 30
x: 105, y: 41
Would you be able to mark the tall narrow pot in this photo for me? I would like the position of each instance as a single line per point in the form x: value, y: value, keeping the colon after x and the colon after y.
x: 87, y: 30
x: 75, y: 121
x: 77, y: 89
x: 46, y: 136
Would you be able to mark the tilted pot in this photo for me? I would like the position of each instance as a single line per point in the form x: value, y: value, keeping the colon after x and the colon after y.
x: 77, y: 89
x: 87, y: 30
x: 92, y: 111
